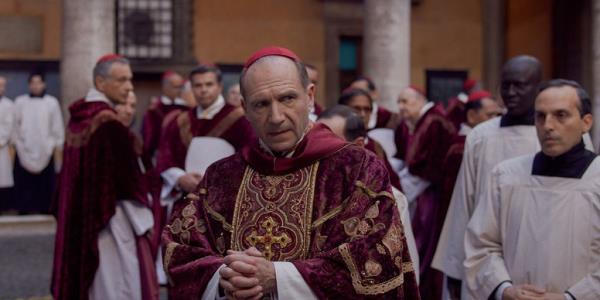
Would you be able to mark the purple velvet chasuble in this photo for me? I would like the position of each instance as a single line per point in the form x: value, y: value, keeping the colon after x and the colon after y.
x: 327, y: 209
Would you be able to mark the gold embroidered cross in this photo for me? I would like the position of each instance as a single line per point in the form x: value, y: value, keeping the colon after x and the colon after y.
x: 268, y: 239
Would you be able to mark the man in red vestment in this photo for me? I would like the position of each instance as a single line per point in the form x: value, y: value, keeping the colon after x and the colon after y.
x: 212, y: 117
x: 297, y: 214
x: 160, y: 108
x: 479, y: 108
x: 361, y: 102
x: 101, y: 206
x: 427, y: 137
x: 380, y: 117
x: 455, y: 110
x: 313, y: 76
x: 125, y: 113
x: 348, y: 125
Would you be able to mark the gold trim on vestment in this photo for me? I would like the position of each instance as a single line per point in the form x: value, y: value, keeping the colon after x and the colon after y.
x: 216, y: 216
x: 185, y: 125
x: 372, y: 194
x: 226, y: 122
x: 287, y: 201
x: 167, y: 259
x: 185, y: 128
x: 359, y: 284
x: 238, y: 201
x: 78, y: 139
x: 329, y: 215
x: 338, y: 209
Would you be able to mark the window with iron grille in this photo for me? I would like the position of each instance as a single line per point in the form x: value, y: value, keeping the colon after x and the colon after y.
x: 145, y: 28
x: 146, y: 31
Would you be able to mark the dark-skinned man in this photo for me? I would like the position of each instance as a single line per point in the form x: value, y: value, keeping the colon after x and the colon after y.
x: 493, y: 141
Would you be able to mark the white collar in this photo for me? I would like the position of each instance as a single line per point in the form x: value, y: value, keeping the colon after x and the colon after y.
x: 212, y: 110
x: 464, y: 129
x: 426, y: 108
x: 291, y: 153
x: 373, y: 119
x: 167, y: 101
x: 94, y: 95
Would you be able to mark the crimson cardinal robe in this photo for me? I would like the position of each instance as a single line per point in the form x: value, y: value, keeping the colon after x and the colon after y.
x: 424, y: 151
x: 152, y: 124
x: 373, y: 146
x: 100, y: 167
x: 382, y: 118
x: 327, y: 209
x: 456, y: 112
x: 451, y: 166
x: 229, y: 124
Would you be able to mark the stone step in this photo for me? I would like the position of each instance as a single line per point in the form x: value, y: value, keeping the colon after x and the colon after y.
x: 27, y: 225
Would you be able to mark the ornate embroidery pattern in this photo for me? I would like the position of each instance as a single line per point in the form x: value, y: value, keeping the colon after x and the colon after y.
x: 372, y: 194
x: 274, y: 213
x: 393, y: 240
x: 216, y: 216
x: 268, y: 239
x: 185, y: 128
x: 368, y: 286
x: 356, y: 228
x: 167, y: 259
x: 372, y: 268
x: 182, y: 226
x: 78, y: 139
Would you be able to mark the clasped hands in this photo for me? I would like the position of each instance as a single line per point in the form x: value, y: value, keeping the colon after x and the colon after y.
x: 247, y: 275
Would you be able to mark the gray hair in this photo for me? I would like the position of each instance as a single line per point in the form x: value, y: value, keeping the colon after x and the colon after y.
x: 102, y: 69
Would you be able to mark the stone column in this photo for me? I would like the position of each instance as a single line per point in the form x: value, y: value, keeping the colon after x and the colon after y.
x: 596, y: 72
x: 88, y: 31
x: 386, y: 44
x: 494, y: 15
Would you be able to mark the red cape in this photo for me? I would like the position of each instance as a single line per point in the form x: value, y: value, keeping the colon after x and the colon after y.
x: 99, y: 167
x: 318, y: 143
x: 229, y: 124
x: 153, y: 123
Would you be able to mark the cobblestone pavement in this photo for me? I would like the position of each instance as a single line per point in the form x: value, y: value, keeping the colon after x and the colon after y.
x: 26, y: 264
x: 26, y: 254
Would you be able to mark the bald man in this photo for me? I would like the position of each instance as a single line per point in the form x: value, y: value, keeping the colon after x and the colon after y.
x: 487, y: 145
x: 297, y: 214
x: 423, y: 140
x: 169, y: 103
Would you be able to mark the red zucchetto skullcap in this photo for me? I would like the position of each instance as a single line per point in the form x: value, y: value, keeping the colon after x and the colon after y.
x: 271, y: 51
x: 168, y: 73
x: 469, y: 84
x: 476, y: 96
x: 417, y: 89
x: 108, y: 57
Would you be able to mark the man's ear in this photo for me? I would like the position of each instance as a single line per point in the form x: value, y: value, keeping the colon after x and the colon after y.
x: 243, y: 101
x: 471, y: 119
x: 310, y: 91
x: 360, y: 141
x: 99, y: 83
x: 588, y: 121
